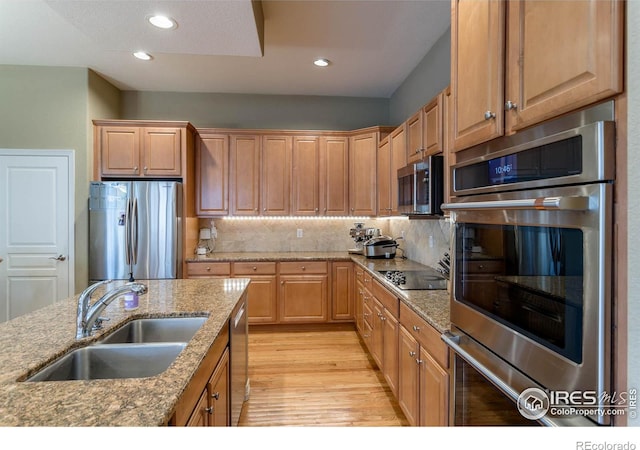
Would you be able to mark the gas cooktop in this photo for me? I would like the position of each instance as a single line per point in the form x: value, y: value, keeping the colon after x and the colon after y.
x: 423, y: 279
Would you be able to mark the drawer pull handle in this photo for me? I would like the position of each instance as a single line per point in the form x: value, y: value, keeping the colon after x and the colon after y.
x: 416, y: 328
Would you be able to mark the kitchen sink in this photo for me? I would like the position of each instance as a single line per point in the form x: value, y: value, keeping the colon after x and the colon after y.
x: 166, y: 329
x: 112, y: 361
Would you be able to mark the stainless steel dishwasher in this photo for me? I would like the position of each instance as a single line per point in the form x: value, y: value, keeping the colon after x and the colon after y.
x: 239, y: 359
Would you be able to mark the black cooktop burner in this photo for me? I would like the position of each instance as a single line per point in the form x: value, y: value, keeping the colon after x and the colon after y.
x: 415, y: 279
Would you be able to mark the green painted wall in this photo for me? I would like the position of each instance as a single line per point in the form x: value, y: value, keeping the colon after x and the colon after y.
x: 298, y: 112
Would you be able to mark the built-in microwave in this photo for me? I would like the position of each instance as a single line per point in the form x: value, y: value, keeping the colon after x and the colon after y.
x: 420, y: 187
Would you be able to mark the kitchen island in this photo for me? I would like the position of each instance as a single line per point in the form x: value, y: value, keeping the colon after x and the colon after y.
x: 32, y: 341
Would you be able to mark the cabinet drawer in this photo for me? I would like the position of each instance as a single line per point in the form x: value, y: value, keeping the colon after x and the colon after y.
x: 254, y: 268
x: 367, y: 314
x: 200, y: 269
x: 484, y: 266
x: 303, y: 267
x: 386, y: 298
x: 425, y: 334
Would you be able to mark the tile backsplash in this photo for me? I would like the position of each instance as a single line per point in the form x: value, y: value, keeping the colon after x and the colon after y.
x: 425, y: 241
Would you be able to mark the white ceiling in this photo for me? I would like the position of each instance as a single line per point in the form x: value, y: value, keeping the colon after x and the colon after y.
x: 373, y: 44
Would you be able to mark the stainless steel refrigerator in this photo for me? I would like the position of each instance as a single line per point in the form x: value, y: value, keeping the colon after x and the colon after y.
x: 135, y: 230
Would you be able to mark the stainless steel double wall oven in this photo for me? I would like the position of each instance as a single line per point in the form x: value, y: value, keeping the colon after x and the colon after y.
x: 531, y: 267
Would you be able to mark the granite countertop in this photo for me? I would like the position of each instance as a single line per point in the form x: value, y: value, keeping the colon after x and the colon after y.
x: 31, y: 341
x: 432, y: 306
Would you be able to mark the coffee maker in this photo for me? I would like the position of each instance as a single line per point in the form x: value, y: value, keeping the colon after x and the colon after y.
x: 360, y: 235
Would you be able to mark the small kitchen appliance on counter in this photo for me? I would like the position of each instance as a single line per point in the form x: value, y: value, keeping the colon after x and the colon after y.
x: 380, y: 247
x: 360, y: 235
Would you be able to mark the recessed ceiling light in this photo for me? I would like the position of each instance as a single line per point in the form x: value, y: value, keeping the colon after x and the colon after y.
x: 164, y: 22
x: 321, y: 62
x: 143, y: 56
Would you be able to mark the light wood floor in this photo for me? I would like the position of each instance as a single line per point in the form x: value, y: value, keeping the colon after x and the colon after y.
x: 315, y: 376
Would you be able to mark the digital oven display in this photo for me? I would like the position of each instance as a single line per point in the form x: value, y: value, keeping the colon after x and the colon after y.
x: 503, y: 170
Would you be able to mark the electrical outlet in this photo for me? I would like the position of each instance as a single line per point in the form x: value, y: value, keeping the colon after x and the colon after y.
x: 299, y: 233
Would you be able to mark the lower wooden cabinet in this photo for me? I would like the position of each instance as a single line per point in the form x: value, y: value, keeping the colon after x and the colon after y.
x: 205, y: 401
x: 262, y: 293
x: 212, y: 409
x: 342, y: 291
x: 303, y: 298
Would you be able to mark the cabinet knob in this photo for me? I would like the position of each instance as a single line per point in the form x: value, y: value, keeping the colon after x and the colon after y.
x: 209, y: 409
x: 416, y: 328
x: 488, y: 115
x: 509, y: 105
x: 366, y: 314
x: 135, y: 169
x: 303, y: 268
x: 317, y: 210
x: 145, y: 168
x: 412, y: 354
x: 383, y: 318
x: 208, y: 269
x: 418, y: 361
x: 282, y: 282
x: 264, y: 209
x: 352, y: 210
x: 216, y: 395
x: 254, y: 268
x: 256, y: 209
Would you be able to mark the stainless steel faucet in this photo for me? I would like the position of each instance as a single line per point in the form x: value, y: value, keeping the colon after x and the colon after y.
x: 89, y: 316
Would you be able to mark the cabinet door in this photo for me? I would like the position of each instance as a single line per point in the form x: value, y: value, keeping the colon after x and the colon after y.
x: 276, y: 175
x: 409, y: 376
x: 359, y: 307
x: 377, y: 336
x: 415, y: 146
x: 303, y: 298
x: 342, y: 281
x: 561, y: 55
x: 305, y: 176
x: 384, y: 178
x: 200, y: 415
x: 433, y: 126
x: 120, y: 151
x: 218, y: 391
x: 398, y: 161
x: 212, y: 180
x: 434, y: 392
x: 477, y: 71
x: 334, y: 176
x: 161, y: 152
x: 390, y: 351
x: 244, y: 176
x: 262, y: 298
x: 363, y: 151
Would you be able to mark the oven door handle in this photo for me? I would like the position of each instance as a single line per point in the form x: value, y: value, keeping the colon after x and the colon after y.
x: 540, y: 203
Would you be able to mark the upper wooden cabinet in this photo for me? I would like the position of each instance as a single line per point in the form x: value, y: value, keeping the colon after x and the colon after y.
x: 392, y: 155
x: 384, y: 177
x: 415, y: 147
x: 363, y: 151
x: 306, y: 176
x: 212, y: 180
x: 244, y: 175
x: 137, y: 149
x: 560, y: 56
x: 276, y: 175
x: 334, y: 175
x: 433, y: 125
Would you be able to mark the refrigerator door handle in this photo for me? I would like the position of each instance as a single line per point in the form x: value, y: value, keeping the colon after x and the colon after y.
x: 134, y: 232
x: 127, y: 234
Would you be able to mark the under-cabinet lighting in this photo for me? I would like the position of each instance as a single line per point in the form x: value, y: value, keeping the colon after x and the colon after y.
x: 296, y: 218
x: 142, y: 55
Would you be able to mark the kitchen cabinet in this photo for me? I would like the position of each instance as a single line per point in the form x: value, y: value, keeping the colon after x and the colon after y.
x: 275, y: 176
x: 134, y: 149
x: 392, y: 155
x: 244, y: 175
x: 212, y: 409
x: 423, y: 387
x: 363, y: 151
x: 358, y: 275
x: 415, y: 148
x: 205, y: 401
x: 385, y: 333
x: 303, y: 292
x: 212, y: 175
x: 305, y: 176
x: 334, y: 175
x: 208, y: 269
x: 343, y: 288
x: 262, y: 291
x: 433, y: 130
x: 560, y: 56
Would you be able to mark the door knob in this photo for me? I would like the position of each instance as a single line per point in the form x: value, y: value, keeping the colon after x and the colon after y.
x: 58, y: 258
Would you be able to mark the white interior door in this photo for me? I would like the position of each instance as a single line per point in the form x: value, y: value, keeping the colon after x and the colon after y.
x: 36, y: 229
